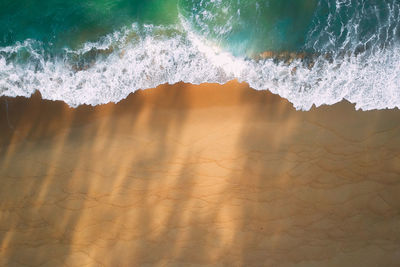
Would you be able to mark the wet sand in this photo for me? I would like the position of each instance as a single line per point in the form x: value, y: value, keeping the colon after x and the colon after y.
x: 205, y: 175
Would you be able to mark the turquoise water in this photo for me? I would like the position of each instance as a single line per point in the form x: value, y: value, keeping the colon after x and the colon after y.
x: 97, y: 51
x: 242, y: 26
x: 59, y: 23
x: 252, y: 26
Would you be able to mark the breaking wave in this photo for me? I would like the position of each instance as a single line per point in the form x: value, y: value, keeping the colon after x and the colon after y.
x: 342, y: 58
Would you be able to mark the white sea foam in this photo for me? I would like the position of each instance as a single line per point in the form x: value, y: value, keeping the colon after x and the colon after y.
x: 149, y: 59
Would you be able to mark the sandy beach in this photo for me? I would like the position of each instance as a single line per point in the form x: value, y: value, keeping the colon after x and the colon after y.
x: 206, y: 175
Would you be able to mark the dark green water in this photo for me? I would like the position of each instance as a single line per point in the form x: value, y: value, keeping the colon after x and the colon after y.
x: 241, y: 25
x: 70, y: 23
x: 96, y: 51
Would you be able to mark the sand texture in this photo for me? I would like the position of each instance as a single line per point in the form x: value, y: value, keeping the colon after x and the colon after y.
x: 203, y: 175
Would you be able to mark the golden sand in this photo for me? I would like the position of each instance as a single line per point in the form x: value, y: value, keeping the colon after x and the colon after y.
x: 205, y: 175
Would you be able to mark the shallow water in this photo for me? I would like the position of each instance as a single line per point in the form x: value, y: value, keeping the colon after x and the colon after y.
x: 95, y: 52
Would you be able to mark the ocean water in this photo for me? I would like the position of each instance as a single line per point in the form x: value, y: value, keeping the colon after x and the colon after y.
x: 311, y: 52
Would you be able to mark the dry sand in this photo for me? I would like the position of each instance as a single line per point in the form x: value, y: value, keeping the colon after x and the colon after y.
x: 203, y: 175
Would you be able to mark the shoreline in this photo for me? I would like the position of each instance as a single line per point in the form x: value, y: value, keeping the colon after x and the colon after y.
x: 206, y: 175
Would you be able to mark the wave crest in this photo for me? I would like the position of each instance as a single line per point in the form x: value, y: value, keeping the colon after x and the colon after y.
x: 145, y: 57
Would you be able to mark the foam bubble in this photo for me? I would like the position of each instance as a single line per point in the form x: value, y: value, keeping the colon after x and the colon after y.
x: 129, y: 60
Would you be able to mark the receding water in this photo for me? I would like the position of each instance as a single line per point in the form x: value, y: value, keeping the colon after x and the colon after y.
x: 99, y: 51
